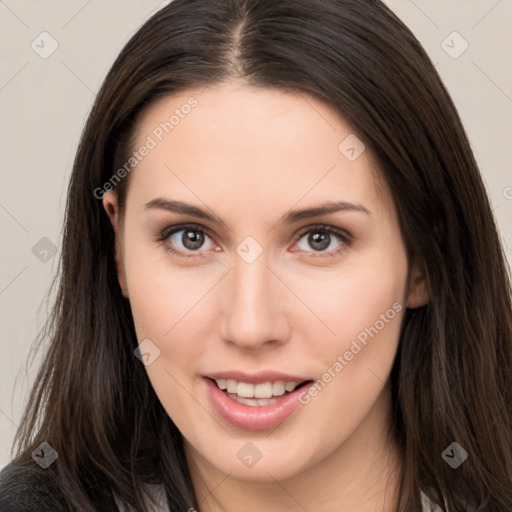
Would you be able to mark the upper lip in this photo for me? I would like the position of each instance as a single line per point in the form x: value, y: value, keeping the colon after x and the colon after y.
x: 256, y: 378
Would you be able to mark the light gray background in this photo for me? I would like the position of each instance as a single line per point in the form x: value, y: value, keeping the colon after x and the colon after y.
x: 44, y: 104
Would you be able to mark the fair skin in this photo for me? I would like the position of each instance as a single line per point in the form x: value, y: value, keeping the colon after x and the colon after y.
x: 250, y: 155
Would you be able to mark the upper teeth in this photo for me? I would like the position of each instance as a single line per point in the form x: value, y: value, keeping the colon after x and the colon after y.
x: 263, y: 390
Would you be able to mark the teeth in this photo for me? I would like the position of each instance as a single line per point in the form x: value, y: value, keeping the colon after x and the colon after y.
x: 261, y: 391
x: 221, y: 383
x: 290, y: 386
x: 245, y: 390
x: 253, y: 402
x: 231, y: 386
x: 279, y: 387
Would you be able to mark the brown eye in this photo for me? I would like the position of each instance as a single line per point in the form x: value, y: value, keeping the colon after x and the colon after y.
x: 186, y: 240
x: 323, y: 239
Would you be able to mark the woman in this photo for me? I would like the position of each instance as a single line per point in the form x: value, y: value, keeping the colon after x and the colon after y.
x: 282, y: 286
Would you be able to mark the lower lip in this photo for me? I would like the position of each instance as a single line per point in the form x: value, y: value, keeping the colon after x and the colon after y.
x: 257, y: 417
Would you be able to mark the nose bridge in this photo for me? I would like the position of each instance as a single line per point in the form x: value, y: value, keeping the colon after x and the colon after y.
x: 252, y: 311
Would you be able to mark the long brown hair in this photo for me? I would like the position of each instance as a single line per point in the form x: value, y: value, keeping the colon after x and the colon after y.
x: 452, y: 377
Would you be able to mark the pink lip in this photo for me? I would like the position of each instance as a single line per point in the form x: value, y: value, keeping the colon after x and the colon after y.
x: 257, y: 378
x: 254, y: 418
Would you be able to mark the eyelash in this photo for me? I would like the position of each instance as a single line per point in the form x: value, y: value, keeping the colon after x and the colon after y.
x: 342, y: 236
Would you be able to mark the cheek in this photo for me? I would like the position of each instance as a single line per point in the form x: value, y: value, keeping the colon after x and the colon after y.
x: 364, y: 306
x: 355, y: 302
x: 162, y: 295
x: 165, y: 302
x: 174, y: 307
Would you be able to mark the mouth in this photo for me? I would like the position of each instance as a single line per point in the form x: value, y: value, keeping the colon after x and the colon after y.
x: 260, y: 394
x: 255, y: 405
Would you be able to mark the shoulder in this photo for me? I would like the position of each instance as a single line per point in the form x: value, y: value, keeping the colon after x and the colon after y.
x: 25, y: 488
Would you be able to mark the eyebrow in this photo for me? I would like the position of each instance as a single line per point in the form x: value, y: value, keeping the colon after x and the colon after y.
x: 291, y: 217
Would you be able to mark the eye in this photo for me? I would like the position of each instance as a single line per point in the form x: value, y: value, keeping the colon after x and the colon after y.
x: 186, y: 240
x: 192, y: 241
x: 321, y: 238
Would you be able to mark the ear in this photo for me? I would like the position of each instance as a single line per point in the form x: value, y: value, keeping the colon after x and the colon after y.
x: 419, y: 292
x: 112, y: 208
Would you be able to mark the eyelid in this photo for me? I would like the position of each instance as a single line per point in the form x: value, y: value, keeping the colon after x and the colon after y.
x: 170, y: 230
x: 325, y: 227
x: 345, y: 237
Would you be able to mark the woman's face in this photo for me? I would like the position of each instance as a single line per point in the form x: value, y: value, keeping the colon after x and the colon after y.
x: 291, y: 268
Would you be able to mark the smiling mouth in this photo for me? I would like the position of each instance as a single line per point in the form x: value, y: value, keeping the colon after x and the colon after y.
x: 257, y: 395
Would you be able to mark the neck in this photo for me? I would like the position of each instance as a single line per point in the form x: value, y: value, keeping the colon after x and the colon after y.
x: 362, y: 474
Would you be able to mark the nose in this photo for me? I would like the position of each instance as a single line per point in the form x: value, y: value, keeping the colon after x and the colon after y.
x: 254, y: 306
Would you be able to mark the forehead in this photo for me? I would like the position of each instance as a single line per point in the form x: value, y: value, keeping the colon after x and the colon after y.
x: 241, y: 117
x: 253, y: 145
